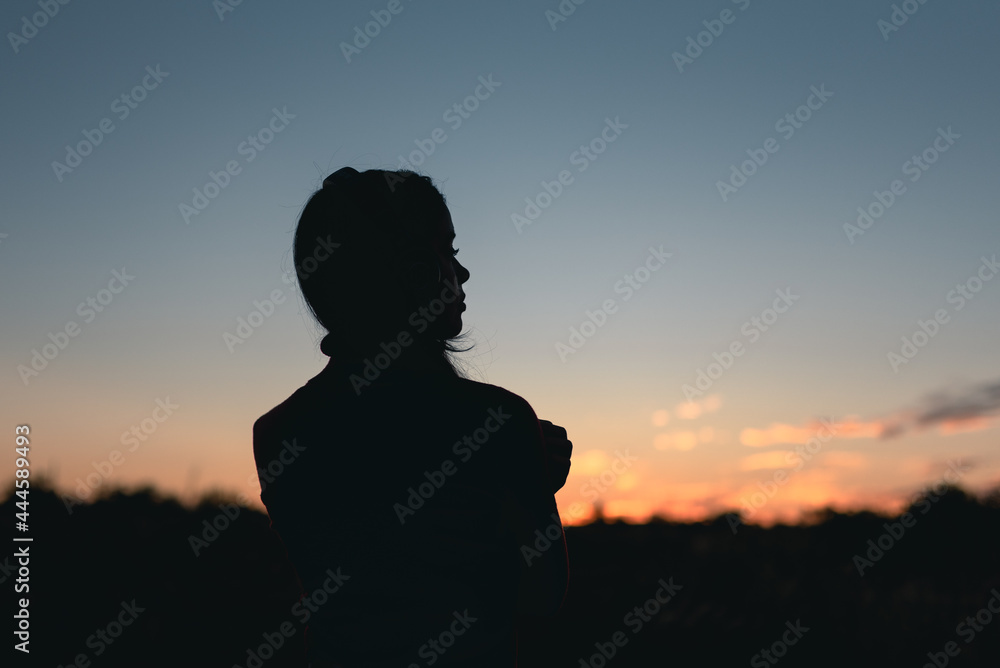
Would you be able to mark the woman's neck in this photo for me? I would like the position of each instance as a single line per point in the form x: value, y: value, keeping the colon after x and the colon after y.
x: 385, y: 358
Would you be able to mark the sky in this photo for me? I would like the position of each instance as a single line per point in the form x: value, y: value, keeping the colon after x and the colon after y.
x: 744, y: 252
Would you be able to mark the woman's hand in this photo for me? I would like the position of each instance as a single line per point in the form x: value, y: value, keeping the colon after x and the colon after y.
x: 559, y: 449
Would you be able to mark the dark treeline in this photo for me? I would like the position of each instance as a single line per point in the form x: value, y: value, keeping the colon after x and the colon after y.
x: 133, y: 579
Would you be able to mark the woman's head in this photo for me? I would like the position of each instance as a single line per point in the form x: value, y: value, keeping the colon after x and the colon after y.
x: 375, y: 261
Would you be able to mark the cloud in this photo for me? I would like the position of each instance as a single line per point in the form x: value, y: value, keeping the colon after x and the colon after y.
x: 973, y: 409
x: 691, y: 410
x: 959, y: 426
x: 683, y: 440
x: 779, y: 433
x: 978, y: 405
x: 678, y: 440
x: 775, y: 459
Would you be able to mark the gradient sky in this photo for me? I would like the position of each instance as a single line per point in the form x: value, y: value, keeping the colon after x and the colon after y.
x: 62, y: 235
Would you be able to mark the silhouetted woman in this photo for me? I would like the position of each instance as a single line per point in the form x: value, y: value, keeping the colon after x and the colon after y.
x: 412, y: 501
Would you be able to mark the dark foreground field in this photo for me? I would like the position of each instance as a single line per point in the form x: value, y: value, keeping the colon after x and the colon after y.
x: 788, y: 595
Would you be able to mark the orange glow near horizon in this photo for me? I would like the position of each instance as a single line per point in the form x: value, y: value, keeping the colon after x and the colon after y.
x: 689, y: 466
x: 949, y: 427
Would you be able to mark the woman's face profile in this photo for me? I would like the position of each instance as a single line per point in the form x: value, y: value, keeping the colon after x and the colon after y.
x: 452, y: 274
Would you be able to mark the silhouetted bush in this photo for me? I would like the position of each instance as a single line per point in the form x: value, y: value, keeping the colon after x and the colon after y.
x: 733, y: 591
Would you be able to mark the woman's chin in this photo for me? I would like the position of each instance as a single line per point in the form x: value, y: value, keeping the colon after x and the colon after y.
x: 454, y: 326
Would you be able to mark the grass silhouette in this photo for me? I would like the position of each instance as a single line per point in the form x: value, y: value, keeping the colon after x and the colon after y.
x: 736, y: 590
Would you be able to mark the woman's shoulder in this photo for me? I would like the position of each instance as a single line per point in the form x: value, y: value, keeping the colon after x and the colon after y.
x: 314, y: 399
x: 311, y: 397
x: 273, y: 425
x: 494, y: 394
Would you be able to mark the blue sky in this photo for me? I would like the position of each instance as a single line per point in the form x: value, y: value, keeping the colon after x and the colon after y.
x: 654, y: 185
